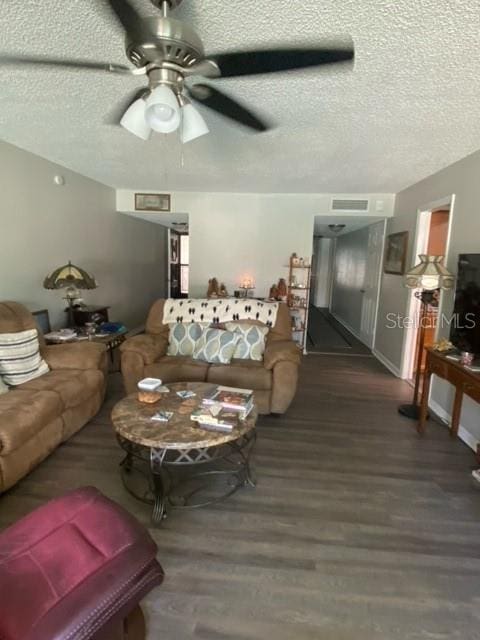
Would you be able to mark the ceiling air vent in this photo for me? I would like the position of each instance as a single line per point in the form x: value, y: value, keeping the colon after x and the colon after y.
x: 360, y: 206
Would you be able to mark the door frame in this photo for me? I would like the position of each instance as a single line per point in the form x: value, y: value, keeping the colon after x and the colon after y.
x: 379, y: 284
x: 422, y: 228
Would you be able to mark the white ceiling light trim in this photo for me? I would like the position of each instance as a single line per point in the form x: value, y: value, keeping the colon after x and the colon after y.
x: 193, y: 124
x: 162, y: 110
x: 134, y: 120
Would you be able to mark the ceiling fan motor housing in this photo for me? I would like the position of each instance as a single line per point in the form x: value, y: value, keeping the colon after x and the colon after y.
x: 173, y: 41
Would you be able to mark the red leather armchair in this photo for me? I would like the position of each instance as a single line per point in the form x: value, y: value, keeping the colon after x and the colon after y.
x: 74, y: 569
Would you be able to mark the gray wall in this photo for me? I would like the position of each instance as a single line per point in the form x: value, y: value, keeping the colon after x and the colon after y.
x: 42, y: 226
x: 349, y: 277
x: 461, y: 179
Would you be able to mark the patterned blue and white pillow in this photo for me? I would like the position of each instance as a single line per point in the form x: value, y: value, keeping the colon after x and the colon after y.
x: 251, y: 345
x: 216, y: 346
x: 183, y: 337
x: 20, y: 359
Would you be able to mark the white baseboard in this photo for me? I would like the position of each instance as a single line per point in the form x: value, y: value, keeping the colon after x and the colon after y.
x: 446, y: 417
x: 386, y: 363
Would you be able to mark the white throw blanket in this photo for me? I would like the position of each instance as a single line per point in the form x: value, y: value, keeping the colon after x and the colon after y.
x: 219, y: 310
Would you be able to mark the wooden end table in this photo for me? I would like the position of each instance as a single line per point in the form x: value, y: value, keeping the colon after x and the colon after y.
x: 465, y: 381
x: 177, y: 464
x: 111, y: 341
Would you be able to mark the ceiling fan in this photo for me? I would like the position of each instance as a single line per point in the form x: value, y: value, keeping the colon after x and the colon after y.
x: 168, y: 51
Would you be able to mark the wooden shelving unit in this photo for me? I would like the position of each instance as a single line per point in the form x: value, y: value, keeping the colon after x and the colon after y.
x: 299, y: 279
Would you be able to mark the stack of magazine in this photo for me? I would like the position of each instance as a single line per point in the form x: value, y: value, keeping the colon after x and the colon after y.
x: 224, y: 409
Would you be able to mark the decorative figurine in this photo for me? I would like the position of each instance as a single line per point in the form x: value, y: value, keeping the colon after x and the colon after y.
x: 223, y: 291
x: 273, y: 295
x: 281, y: 288
x: 212, y: 291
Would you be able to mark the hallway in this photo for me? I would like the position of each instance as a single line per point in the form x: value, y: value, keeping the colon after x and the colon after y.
x: 328, y: 336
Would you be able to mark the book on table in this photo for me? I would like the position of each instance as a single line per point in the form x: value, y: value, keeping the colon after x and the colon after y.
x: 224, y: 420
x: 231, y: 398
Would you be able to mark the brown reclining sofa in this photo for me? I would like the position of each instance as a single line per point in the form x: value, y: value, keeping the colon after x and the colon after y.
x: 36, y: 416
x: 274, y: 380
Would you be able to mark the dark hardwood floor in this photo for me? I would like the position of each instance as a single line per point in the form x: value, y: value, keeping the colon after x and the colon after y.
x: 357, y: 530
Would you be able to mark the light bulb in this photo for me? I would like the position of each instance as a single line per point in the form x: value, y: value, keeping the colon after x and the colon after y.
x: 162, y: 110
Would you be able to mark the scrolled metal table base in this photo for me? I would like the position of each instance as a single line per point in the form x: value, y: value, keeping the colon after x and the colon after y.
x: 169, y: 478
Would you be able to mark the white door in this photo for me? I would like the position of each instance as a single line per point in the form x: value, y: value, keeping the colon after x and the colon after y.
x: 371, y: 283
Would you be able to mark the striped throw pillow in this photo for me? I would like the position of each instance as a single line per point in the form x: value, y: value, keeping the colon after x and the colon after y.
x: 20, y: 359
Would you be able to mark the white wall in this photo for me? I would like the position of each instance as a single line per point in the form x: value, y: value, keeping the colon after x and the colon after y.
x: 237, y: 235
x: 42, y: 226
x: 322, y: 271
x: 461, y: 179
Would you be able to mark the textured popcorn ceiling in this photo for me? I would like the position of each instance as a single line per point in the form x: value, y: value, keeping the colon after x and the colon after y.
x: 410, y: 106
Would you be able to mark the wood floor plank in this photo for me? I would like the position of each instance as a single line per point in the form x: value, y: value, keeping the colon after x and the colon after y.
x: 359, y: 529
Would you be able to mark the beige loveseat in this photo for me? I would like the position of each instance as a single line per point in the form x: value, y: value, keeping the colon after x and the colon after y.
x: 35, y: 417
x: 274, y: 380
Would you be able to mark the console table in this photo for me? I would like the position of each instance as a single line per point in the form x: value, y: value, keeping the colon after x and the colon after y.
x: 465, y: 382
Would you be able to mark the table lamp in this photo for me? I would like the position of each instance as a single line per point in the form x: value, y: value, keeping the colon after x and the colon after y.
x: 71, y: 278
x: 429, y: 276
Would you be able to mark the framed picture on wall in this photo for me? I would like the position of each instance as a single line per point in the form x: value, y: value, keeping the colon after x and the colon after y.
x: 152, y: 202
x: 396, y: 253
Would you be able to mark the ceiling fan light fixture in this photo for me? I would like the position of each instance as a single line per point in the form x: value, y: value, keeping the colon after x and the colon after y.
x: 134, y: 120
x: 193, y: 124
x: 162, y: 110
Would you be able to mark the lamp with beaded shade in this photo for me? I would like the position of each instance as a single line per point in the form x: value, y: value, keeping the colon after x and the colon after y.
x: 429, y: 275
x: 71, y: 278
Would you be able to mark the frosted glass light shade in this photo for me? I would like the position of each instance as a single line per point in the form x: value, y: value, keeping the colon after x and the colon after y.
x: 429, y: 274
x: 134, y: 120
x: 193, y: 124
x: 162, y: 110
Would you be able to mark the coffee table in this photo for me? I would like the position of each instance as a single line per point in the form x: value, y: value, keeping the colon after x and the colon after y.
x: 177, y: 464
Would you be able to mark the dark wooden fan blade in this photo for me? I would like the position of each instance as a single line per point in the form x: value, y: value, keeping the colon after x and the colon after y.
x: 117, y: 113
x: 246, y: 63
x: 60, y: 62
x: 127, y: 16
x: 228, y: 107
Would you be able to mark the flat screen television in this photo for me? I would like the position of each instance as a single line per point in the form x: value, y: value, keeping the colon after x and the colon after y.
x: 465, y: 327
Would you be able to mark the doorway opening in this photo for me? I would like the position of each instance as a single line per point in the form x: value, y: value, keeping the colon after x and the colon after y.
x: 346, y: 270
x: 432, y: 237
x: 178, y: 260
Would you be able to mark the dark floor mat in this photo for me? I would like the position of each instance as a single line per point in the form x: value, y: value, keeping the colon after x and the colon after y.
x: 327, y: 335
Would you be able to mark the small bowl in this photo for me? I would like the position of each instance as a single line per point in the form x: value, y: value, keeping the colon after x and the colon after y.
x: 149, y: 397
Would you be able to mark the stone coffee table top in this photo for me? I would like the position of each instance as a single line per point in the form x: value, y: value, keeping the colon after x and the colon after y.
x: 132, y: 420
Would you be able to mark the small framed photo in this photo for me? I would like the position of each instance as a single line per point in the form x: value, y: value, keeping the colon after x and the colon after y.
x: 152, y: 202
x: 396, y: 253
x: 42, y: 319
